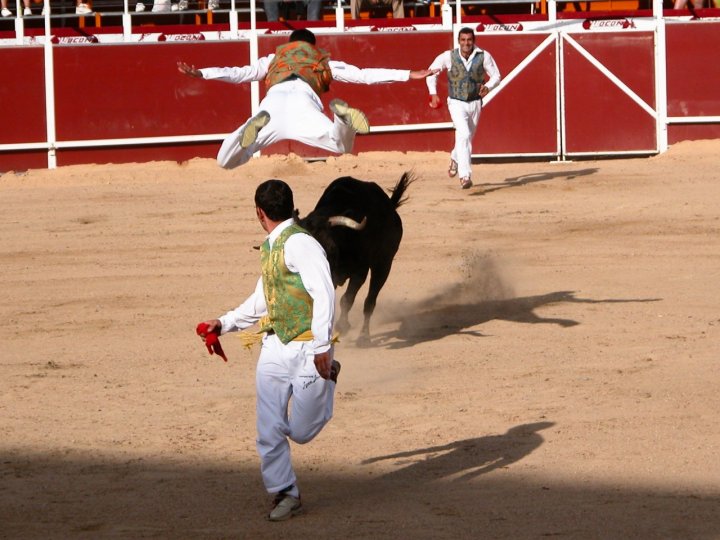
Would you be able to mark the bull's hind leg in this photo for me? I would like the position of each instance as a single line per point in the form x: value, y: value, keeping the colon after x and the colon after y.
x: 378, y: 277
x: 348, y: 299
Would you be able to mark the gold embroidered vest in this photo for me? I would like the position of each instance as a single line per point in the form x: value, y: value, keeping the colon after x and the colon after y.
x: 289, y: 304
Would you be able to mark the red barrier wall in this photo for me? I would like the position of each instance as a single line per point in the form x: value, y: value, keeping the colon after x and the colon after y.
x: 22, y: 98
x: 108, y: 91
x: 693, y: 78
x: 125, y: 91
x: 599, y: 116
x: 522, y: 118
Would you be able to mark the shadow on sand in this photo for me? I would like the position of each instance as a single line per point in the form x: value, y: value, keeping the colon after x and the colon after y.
x: 428, y: 323
x: 469, y: 458
x: 462, y: 489
x: 531, y: 179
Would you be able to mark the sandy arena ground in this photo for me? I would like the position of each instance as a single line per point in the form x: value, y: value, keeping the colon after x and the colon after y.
x: 544, y: 359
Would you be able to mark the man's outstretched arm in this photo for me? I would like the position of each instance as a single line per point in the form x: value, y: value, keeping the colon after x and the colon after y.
x: 423, y: 73
x: 352, y: 74
x: 236, y: 75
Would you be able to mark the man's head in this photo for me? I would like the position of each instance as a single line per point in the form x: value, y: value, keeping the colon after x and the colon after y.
x: 302, y: 34
x: 275, y: 199
x: 466, y: 41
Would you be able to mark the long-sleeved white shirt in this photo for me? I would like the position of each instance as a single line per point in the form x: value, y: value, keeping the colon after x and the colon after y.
x: 303, y: 255
x: 444, y: 62
x: 340, y: 72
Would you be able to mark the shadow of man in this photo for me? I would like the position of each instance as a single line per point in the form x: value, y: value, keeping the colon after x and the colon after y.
x: 466, y: 459
x: 535, y: 177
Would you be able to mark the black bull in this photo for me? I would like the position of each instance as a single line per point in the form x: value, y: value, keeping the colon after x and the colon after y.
x: 366, y: 242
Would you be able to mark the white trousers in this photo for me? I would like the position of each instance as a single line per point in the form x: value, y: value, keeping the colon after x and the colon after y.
x: 465, y: 117
x: 286, y: 375
x: 296, y: 113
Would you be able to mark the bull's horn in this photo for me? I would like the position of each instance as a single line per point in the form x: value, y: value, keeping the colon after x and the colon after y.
x: 347, y: 222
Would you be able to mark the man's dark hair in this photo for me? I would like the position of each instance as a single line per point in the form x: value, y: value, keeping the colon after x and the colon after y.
x: 302, y: 34
x: 275, y: 198
x: 466, y: 30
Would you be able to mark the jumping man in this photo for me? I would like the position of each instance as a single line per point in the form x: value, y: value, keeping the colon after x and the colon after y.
x: 296, y: 75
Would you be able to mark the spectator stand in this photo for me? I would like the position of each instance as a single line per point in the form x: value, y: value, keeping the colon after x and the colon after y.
x: 122, y: 13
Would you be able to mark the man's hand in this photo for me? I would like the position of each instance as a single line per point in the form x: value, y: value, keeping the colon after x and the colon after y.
x: 323, y: 364
x: 434, y: 101
x: 423, y: 73
x: 213, y: 327
x: 209, y: 332
x: 188, y: 70
x: 484, y: 91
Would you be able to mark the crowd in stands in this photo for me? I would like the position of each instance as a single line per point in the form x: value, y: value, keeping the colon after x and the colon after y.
x: 81, y: 8
x: 275, y: 10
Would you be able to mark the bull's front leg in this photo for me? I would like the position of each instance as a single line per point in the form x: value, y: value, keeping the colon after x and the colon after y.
x: 378, y: 276
x: 347, y: 301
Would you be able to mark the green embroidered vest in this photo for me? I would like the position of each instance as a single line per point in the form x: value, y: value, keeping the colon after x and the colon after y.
x: 289, y: 304
x: 464, y: 84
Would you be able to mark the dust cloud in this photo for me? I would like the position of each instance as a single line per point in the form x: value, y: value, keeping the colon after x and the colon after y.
x: 482, y: 280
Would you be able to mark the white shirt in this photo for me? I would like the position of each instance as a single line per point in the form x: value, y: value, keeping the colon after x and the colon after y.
x: 340, y: 72
x: 305, y: 256
x: 444, y: 62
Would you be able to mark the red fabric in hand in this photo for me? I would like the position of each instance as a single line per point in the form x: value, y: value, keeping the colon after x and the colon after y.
x: 212, y: 340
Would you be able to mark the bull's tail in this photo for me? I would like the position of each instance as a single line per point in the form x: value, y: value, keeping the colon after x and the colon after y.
x: 399, y: 190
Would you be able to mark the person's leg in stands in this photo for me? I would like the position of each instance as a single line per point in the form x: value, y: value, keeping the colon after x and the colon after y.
x: 398, y: 9
x: 272, y: 9
x: 355, y: 7
x: 314, y: 10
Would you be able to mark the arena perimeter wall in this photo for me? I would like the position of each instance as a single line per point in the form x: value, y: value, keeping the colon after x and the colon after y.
x: 580, y: 88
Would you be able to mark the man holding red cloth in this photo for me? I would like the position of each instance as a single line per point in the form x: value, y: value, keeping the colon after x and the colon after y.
x: 294, y: 303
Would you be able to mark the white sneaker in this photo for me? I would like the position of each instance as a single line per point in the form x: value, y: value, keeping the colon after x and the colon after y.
x: 44, y: 11
x: 27, y: 11
x: 139, y: 7
x: 82, y: 9
x: 255, y: 124
x: 286, y: 506
x: 6, y: 12
x: 182, y: 5
x: 213, y: 4
x: 355, y: 118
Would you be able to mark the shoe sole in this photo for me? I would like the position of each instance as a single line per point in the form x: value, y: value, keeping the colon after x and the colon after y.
x: 250, y: 133
x: 452, y: 170
x: 354, y: 117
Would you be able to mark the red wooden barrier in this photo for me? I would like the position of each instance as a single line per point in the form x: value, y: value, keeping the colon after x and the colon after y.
x: 119, y: 91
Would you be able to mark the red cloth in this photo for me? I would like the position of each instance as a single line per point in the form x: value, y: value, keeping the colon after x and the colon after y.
x: 212, y: 340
